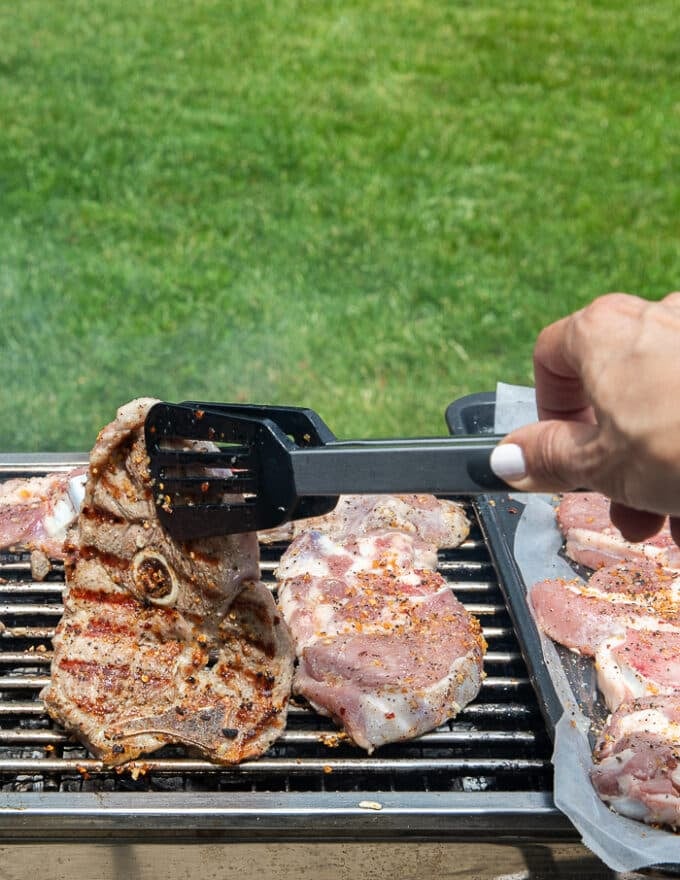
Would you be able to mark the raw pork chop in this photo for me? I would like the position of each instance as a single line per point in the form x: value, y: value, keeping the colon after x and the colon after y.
x: 638, y: 754
x: 439, y: 522
x: 592, y: 539
x: 627, y: 617
x: 36, y: 512
x: 162, y: 642
x: 384, y: 647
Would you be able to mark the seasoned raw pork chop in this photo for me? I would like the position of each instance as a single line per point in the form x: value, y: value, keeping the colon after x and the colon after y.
x: 638, y: 755
x: 162, y: 642
x: 36, y: 512
x: 627, y: 617
x: 594, y: 541
x: 438, y: 522
x: 384, y: 647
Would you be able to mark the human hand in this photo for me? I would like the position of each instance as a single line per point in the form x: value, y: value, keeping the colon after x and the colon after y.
x: 608, y: 395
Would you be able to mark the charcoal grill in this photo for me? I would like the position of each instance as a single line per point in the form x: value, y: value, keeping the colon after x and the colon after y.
x: 476, y: 791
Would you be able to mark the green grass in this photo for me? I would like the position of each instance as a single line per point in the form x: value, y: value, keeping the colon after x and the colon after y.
x: 364, y: 207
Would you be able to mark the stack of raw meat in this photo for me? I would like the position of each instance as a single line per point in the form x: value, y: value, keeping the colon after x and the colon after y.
x: 627, y: 618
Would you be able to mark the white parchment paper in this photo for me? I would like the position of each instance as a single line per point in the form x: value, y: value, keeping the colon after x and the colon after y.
x: 623, y: 844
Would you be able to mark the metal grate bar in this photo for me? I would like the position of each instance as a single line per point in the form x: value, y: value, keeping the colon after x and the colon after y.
x: 23, y: 682
x: 26, y: 658
x: 29, y: 588
x: 19, y: 707
x: 31, y: 610
x: 299, y: 737
x: 27, y: 632
x: 264, y: 766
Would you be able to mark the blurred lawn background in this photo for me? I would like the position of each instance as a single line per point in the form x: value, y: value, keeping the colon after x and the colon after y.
x: 369, y: 208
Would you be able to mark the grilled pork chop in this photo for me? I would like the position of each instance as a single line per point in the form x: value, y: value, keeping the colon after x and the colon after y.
x: 383, y: 645
x: 594, y: 541
x: 638, y: 755
x: 160, y: 641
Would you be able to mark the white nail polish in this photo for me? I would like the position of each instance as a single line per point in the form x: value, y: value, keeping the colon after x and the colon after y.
x: 507, y: 462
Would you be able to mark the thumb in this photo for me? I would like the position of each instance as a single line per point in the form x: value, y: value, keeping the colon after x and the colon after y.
x: 549, y: 456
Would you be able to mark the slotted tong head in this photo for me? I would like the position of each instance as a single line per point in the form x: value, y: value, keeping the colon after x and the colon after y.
x: 265, y: 465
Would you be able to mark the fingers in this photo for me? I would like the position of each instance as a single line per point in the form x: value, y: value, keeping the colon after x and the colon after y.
x: 672, y: 300
x: 549, y: 456
x: 568, y: 354
x: 560, y: 392
x: 675, y: 529
x: 635, y: 525
x: 604, y: 377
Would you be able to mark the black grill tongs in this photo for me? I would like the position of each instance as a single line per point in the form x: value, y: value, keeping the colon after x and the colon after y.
x: 283, y: 463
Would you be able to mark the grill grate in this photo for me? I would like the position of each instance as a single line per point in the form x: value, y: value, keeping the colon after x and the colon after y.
x: 497, y: 744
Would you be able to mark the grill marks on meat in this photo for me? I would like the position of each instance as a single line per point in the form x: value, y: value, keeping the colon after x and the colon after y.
x: 384, y: 647
x: 162, y: 642
x: 626, y: 617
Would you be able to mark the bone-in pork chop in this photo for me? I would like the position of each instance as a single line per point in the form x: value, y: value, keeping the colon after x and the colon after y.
x: 160, y: 641
x: 384, y: 647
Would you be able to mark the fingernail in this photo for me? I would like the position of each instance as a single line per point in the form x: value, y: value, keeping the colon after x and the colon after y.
x: 507, y: 462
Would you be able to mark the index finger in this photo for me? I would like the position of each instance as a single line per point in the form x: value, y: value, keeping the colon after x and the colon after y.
x: 571, y: 354
x: 560, y: 392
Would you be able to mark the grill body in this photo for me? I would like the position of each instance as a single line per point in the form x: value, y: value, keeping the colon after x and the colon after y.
x: 483, y: 779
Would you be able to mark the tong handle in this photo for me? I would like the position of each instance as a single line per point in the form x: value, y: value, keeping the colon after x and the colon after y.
x: 447, y: 465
